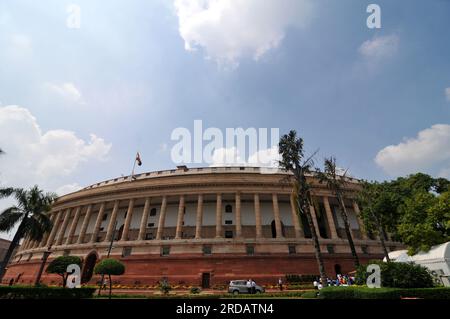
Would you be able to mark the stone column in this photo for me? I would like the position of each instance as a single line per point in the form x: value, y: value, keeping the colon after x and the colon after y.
x: 73, y: 227
x: 180, y: 218
x: 85, y: 224
x: 276, y: 215
x: 52, y: 235
x: 360, y: 223
x: 219, y: 216
x: 199, y: 220
x: 238, y: 215
x: 126, y: 226
x: 258, y: 217
x: 45, y: 237
x: 63, y: 227
x: 314, y: 218
x: 162, y: 218
x: 296, y: 220
x: 330, y: 218
x: 98, y: 222
x: 112, y: 222
x: 144, y: 218
x: 24, y: 244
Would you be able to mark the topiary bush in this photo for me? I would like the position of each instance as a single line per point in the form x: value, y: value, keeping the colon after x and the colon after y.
x: 59, y: 266
x: 109, y: 267
x: 398, y: 275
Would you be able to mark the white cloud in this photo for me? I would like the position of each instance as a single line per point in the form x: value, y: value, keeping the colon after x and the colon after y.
x: 447, y: 93
x: 65, y: 90
x: 36, y: 157
x: 379, y: 47
x: 68, y: 188
x: 428, y: 152
x: 231, y: 29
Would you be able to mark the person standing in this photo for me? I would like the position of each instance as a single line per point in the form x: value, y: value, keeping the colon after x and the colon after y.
x: 253, y: 287
x: 280, y: 284
x: 249, y: 286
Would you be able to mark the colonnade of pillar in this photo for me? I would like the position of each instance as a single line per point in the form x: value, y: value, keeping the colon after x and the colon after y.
x: 60, y: 220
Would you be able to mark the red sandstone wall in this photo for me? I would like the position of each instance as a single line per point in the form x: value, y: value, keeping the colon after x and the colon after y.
x: 185, y: 270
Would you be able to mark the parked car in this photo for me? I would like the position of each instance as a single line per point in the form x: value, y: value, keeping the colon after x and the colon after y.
x: 240, y: 287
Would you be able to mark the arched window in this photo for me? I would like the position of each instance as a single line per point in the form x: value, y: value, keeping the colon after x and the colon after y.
x: 228, y: 209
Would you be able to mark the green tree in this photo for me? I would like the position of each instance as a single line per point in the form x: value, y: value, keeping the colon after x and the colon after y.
x: 425, y: 221
x: 30, y: 213
x: 413, y: 209
x: 59, y: 266
x: 110, y: 267
x: 337, y: 184
x: 291, y: 150
x: 378, y: 210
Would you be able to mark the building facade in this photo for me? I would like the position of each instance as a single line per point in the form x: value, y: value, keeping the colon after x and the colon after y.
x: 201, y: 226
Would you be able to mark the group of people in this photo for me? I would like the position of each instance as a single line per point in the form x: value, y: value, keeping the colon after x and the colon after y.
x: 340, y: 280
x: 251, y: 286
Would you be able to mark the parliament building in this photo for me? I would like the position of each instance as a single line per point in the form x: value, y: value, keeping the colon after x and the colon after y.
x: 198, y: 226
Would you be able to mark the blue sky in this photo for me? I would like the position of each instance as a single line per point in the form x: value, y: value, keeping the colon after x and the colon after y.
x: 377, y: 99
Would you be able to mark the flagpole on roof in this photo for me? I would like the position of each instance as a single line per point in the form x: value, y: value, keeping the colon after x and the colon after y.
x: 137, y: 159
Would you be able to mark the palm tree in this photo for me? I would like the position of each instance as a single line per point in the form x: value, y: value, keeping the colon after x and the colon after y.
x: 290, y: 148
x: 336, y: 183
x: 30, y: 213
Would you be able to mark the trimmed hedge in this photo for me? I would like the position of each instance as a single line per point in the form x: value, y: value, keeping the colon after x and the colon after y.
x: 383, y: 293
x: 30, y: 292
x: 297, y: 279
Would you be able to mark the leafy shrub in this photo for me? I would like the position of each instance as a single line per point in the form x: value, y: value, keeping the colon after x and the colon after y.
x: 310, y: 294
x: 31, y: 292
x: 293, y: 278
x: 383, y: 293
x: 164, y: 287
x: 195, y: 290
x: 398, y: 275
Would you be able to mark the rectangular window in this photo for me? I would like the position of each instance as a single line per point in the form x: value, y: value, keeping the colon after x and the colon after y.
x: 104, y: 217
x: 228, y: 222
x: 151, y: 225
x: 250, y: 249
x: 165, y: 251
x: 207, y: 250
x: 292, y: 249
x: 228, y: 234
x: 126, y: 251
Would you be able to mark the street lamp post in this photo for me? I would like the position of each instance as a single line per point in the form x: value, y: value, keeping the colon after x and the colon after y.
x: 107, y: 256
x: 41, y: 269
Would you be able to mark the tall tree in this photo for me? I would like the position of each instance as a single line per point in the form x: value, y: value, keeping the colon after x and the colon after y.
x: 337, y: 184
x: 378, y: 210
x: 291, y: 150
x: 30, y: 213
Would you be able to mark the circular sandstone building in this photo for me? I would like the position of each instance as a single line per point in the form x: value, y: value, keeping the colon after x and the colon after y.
x: 198, y: 226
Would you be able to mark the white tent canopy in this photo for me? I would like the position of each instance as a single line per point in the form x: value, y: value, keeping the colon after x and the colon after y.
x: 437, y: 260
